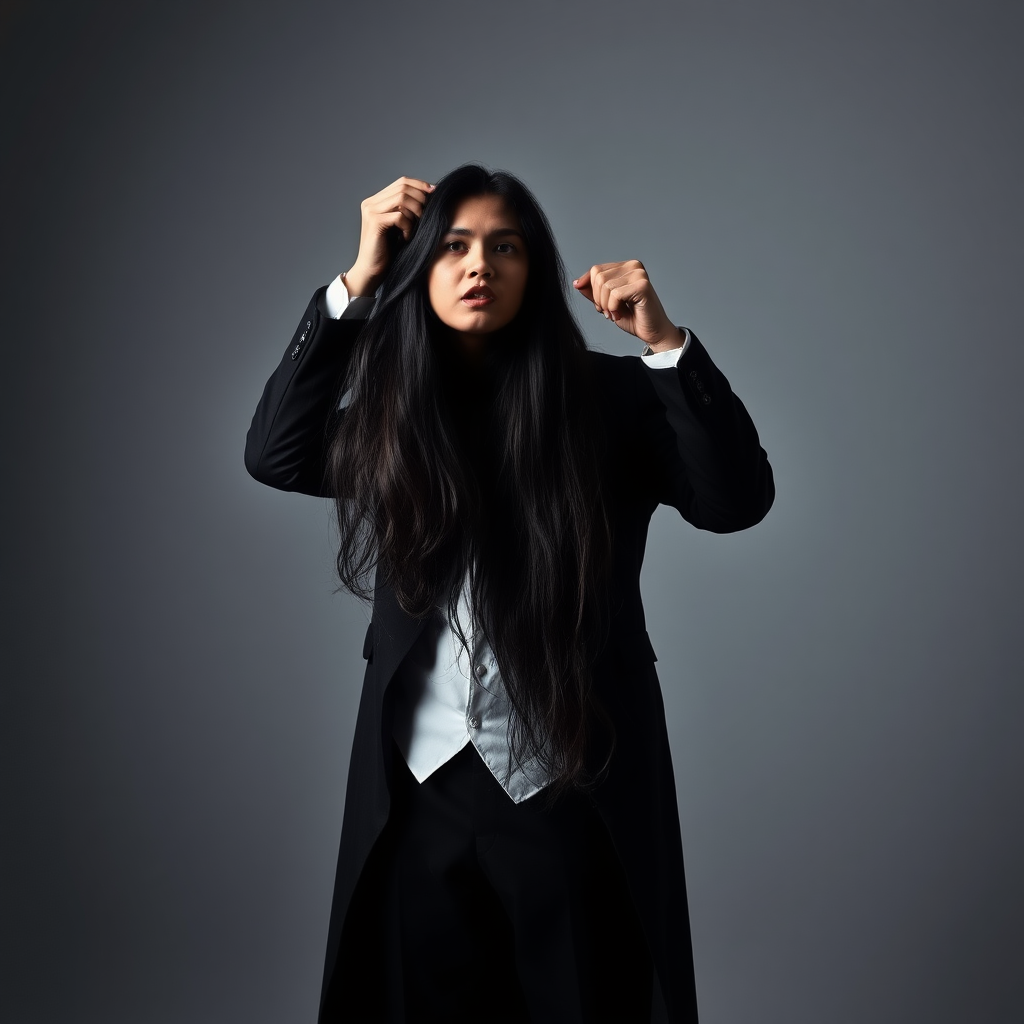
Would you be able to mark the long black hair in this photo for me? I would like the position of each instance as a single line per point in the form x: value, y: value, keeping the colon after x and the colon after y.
x: 497, y: 474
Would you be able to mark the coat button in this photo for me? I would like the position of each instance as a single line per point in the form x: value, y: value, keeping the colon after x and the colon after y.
x: 707, y: 399
x: 474, y: 722
x: 693, y: 375
x: 481, y: 671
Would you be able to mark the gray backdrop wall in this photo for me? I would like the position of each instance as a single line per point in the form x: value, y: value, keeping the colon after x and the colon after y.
x: 828, y: 192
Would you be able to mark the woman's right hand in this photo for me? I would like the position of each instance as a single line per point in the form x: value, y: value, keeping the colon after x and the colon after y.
x: 400, y: 205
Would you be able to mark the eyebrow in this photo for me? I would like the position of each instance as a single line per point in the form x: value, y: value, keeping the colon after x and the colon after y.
x: 497, y: 233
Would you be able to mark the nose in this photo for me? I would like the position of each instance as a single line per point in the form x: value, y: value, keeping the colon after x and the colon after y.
x: 479, y: 265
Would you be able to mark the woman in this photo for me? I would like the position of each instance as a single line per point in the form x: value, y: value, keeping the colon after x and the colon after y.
x: 510, y: 847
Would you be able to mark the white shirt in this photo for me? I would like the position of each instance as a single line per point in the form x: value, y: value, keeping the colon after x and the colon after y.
x: 449, y: 695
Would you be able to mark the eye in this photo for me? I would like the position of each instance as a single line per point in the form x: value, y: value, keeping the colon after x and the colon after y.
x: 505, y: 248
x: 451, y: 246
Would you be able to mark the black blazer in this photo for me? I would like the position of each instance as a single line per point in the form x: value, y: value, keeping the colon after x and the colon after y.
x: 678, y: 436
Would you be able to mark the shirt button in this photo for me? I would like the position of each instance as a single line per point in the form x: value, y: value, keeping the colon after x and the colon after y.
x: 474, y: 722
x: 481, y: 670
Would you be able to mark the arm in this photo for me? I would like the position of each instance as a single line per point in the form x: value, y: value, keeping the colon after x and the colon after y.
x: 701, y: 445
x: 286, y: 443
x: 697, y: 444
x: 296, y: 417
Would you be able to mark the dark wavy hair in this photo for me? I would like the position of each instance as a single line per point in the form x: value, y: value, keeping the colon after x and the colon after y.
x: 440, y: 471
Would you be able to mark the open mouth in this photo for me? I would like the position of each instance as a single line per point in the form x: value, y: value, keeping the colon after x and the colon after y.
x: 480, y: 298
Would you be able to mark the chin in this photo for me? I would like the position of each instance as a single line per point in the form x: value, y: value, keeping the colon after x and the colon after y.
x: 481, y: 324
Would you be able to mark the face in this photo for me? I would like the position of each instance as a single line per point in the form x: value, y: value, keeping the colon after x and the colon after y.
x: 478, y: 277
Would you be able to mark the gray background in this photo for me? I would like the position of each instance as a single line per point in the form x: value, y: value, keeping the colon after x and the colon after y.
x: 828, y: 193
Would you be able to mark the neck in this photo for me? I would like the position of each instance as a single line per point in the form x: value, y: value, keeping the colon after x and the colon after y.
x: 464, y: 353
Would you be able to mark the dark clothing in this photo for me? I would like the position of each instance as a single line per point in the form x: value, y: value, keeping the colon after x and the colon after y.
x: 676, y: 436
x: 490, y: 910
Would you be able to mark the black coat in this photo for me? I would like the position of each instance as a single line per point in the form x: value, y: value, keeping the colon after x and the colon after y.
x: 678, y: 436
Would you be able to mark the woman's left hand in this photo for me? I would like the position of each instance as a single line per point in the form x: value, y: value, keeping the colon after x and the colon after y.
x: 624, y: 294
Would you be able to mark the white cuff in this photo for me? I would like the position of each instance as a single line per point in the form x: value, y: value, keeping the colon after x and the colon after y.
x: 670, y: 357
x: 336, y: 298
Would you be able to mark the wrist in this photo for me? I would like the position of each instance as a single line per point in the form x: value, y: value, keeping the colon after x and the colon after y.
x: 666, y: 340
x: 358, y: 282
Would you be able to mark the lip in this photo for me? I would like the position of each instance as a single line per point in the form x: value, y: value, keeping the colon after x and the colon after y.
x: 485, y: 293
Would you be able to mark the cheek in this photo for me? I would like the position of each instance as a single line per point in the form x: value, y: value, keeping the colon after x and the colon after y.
x: 521, y: 292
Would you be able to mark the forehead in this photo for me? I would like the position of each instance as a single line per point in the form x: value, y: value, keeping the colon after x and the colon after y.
x: 484, y: 213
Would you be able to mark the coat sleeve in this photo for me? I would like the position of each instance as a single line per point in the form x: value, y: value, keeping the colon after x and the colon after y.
x: 702, y: 449
x: 287, y: 440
